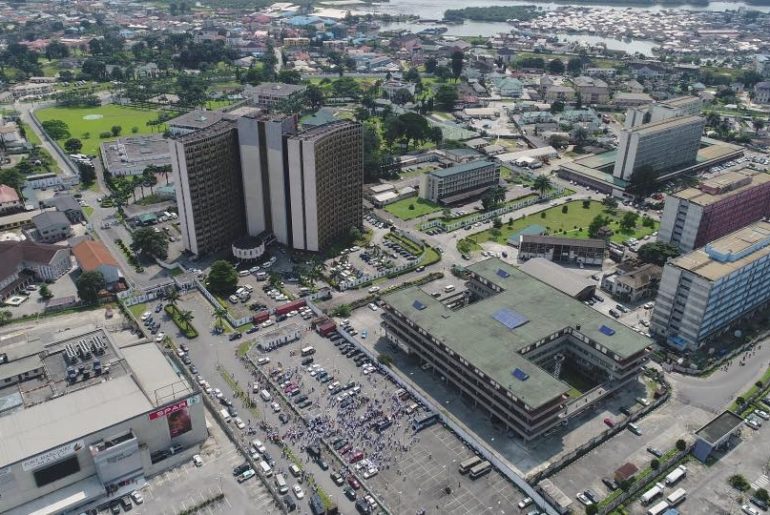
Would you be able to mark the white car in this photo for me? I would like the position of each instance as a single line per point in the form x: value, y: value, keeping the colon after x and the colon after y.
x: 197, y: 460
x: 298, y: 491
x: 276, y: 407
x: 239, y: 423
x: 159, y: 337
x: 146, y: 315
x: 258, y: 445
x: 374, y: 289
x: 217, y: 393
x: 373, y: 306
x: 342, y: 396
x: 585, y: 500
x: 762, y: 414
x: 334, y: 385
x: 751, y: 423
x: 371, y: 472
x: 136, y: 495
x: 749, y: 510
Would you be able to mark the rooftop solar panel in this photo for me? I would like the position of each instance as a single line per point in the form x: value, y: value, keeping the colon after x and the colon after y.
x: 607, y: 330
x: 418, y: 305
x: 520, y: 374
x: 509, y: 318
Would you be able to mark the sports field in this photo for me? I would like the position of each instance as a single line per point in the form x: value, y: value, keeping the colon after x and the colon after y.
x: 86, y: 123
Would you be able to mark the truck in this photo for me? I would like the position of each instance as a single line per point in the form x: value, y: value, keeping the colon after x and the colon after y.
x: 676, y: 497
x: 677, y: 474
x: 651, y: 494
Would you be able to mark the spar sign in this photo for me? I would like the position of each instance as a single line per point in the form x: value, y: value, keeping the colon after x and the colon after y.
x: 177, y: 415
x: 168, y: 410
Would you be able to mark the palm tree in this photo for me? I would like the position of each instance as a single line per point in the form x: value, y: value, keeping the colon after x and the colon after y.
x: 186, y: 317
x: 172, y: 296
x: 219, y: 315
x: 542, y: 184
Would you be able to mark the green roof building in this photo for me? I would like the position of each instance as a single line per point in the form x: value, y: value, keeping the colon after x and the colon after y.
x: 523, y: 351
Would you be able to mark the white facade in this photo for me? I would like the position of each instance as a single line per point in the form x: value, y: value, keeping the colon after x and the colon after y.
x: 687, y: 215
x: 184, y: 200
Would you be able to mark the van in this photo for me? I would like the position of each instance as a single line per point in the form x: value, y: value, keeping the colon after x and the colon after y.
x: 261, y: 276
x: 265, y: 395
x: 412, y: 408
x: 295, y: 470
x: 266, y: 470
x: 449, y: 287
x: 225, y: 414
x: 280, y: 483
x: 634, y: 429
x: 243, y: 273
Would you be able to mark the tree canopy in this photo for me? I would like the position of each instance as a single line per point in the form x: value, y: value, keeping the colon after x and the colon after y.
x: 89, y: 284
x: 147, y: 241
x: 657, y: 252
x: 223, y: 278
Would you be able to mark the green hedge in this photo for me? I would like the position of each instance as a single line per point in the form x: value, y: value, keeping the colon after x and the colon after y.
x: 187, y: 329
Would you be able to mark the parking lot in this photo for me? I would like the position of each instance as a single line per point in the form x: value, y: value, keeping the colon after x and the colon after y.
x: 400, y: 457
x: 185, y: 486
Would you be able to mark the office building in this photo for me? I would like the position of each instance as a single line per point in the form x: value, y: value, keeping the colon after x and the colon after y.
x: 460, y: 182
x: 209, y: 188
x: 664, y: 146
x: 673, y: 107
x: 132, y: 155
x: 89, y: 421
x: 305, y: 188
x: 708, y: 291
x: 562, y: 250
x: 193, y: 121
x: 24, y: 262
x: 513, y: 350
x: 325, y: 182
x: 267, y: 94
x: 720, y: 205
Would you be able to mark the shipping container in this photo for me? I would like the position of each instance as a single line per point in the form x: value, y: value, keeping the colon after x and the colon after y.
x: 290, y: 306
x: 260, y: 317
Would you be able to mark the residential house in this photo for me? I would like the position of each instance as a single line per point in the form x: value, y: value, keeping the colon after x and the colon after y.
x: 22, y: 262
x: 592, y: 90
x: 9, y: 199
x: 633, y: 284
x: 762, y: 93
x: 509, y: 87
x: 67, y: 204
x: 562, y: 93
x: 94, y: 256
x: 51, y: 226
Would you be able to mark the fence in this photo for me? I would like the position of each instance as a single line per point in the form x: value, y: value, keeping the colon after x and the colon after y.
x: 483, y: 217
x: 493, y: 457
x: 73, y: 170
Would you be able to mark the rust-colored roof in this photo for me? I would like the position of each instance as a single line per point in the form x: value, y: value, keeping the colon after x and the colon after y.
x: 8, y: 194
x: 92, y: 254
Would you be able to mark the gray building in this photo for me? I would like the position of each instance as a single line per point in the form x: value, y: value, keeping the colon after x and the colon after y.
x: 562, y: 250
x: 130, y: 156
x: 268, y: 94
x: 460, y: 182
x: 51, y: 226
x: 664, y: 146
x: 673, y: 107
x: 514, y: 349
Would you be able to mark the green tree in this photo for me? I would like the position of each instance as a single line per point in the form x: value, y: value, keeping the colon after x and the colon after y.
x: 446, y: 97
x: 557, y: 107
x: 457, y: 59
x: 220, y: 314
x: 592, y: 509
x: 342, y: 311
x: 739, y: 482
x: 542, y: 184
x: 610, y: 203
x: 223, y: 278
x: 586, y: 204
x: 87, y: 172
x: 556, y: 66
x: 73, y: 145
x: 57, y: 129
x: 314, y: 96
x: 116, y: 130
x: 657, y: 252
x: 5, y: 317
x: 596, y: 225
x: 628, y: 222
x: 45, y: 292
x: 762, y: 495
x: 89, y: 284
x: 493, y: 197
x: 497, y: 223
x: 186, y: 318
x: 172, y: 296
x: 655, y: 464
x: 401, y: 96
x: 647, y: 221
x: 149, y: 242
x: 575, y: 65
x: 681, y: 445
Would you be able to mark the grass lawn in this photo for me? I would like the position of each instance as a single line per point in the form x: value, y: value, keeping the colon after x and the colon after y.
x: 31, y: 135
x: 88, y: 211
x: 105, y: 118
x: 138, y: 309
x: 574, y: 223
x: 420, y: 207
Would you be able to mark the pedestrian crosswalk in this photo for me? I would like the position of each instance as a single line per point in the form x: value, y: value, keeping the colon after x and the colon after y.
x: 761, y: 482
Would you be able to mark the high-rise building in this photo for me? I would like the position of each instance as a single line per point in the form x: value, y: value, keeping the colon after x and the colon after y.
x: 719, y: 206
x: 264, y: 177
x: 326, y: 177
x: 209, y: 188
x: 673, y: 107
x: 706, y: 291
x: 663, y: 145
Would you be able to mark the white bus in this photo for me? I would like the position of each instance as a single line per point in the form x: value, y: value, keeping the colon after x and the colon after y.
x: 651, y: 494
x: 468, y: 464
x: 479, y: 470
x: 676, y: 497
x: 658, y: 508
x: 307, y: 351
x: 677, y: 474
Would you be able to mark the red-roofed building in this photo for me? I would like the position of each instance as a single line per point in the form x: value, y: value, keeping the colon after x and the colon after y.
x: 94, y: 256
x: 9, y: 199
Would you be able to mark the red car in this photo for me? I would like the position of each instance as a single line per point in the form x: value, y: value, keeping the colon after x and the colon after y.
x: 346, y: 449
x: 609, y: 422
x: 289, y: 387
x: 353, y: 482
x: 357, y: 456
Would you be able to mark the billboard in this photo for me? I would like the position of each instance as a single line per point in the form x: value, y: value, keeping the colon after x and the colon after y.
x: 177, y: 416
x: 52, y: 456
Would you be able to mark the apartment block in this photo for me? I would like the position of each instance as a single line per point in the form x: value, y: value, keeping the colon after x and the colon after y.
x: 709, y: 290
x: 268, y: 94
x: 592, y: 90
x: 209, y: 188
x: 719, y: 206
x: 663, y: 145
x: 459, y: 182
x: 513, y: 349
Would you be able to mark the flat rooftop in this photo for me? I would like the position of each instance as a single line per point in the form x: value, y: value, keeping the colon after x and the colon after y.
x: 135, y: 150
x: 197, y: 119
x: 679, y: 101
x: 72, y: 399
x: 490, y: 346
x: 462, y: 168
x: 666, y: 124
x: 722, y: 182
x: 728, y: 253
x: 719, y: 427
